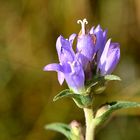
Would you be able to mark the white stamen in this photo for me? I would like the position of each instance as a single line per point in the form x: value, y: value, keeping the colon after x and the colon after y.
x: 83, y: 24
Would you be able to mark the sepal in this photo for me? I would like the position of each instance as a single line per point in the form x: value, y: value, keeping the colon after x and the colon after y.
x: 81, y: 100
x: 112, y: 77
x: 98, y: 83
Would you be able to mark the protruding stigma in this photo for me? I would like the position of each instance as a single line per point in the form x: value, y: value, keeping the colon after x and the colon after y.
x: 83, y: 22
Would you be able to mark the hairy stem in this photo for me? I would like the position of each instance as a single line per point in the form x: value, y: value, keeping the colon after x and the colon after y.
x: 90, y: 128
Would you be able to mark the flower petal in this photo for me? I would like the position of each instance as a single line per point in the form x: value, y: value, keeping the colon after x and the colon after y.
x: 64, y: 50
x: 101, y: 37
x: 75, y: 79
x: 82, y: 59
x: 61, y: 77
x: 113, y: 58
x: 53, y: 67
x: 85, y: 45
x: 105, y: 52
x: 91, y: 30
x: 109, y: 58
x: 71, y: 38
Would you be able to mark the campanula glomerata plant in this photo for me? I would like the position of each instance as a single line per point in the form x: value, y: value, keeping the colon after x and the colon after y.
x: 86, y: 70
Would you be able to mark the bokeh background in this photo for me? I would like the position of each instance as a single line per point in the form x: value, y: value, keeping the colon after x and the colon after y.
x: 28, y: 33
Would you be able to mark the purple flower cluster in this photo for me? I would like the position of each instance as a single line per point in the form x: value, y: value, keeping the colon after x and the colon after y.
x: 94, y: 55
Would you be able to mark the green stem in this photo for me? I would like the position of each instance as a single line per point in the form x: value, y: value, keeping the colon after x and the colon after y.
x: 90, y: 128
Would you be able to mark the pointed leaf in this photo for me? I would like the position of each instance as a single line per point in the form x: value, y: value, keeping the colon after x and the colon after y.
x: 112, y: 78
x: 98, y: 83
x: 80, y: 100
x: 62, y: 94
x: 92, y: 84
x: 112, y: 107
x: 60, y: 127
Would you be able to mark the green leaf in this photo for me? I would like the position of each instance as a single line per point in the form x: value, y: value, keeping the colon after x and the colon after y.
x: 60, y: 127
x: 111, y: 107
x: 62, y: 94
x: 98, y: 83
x: 80, y: 100
x: 92, y: 84
x: 112, y: 78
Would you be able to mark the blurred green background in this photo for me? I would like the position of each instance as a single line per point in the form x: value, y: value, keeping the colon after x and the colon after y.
x: 28, y: 33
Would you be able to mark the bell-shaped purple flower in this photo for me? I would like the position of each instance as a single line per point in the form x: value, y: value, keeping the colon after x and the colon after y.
x: 94, y: 55
x: 86, y: 50
x: 75, y: 77
x: 85, y: 44
x: 69, y: 67
x: 109, y: 58
x: 101, y: 38
x: 64, y: 50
